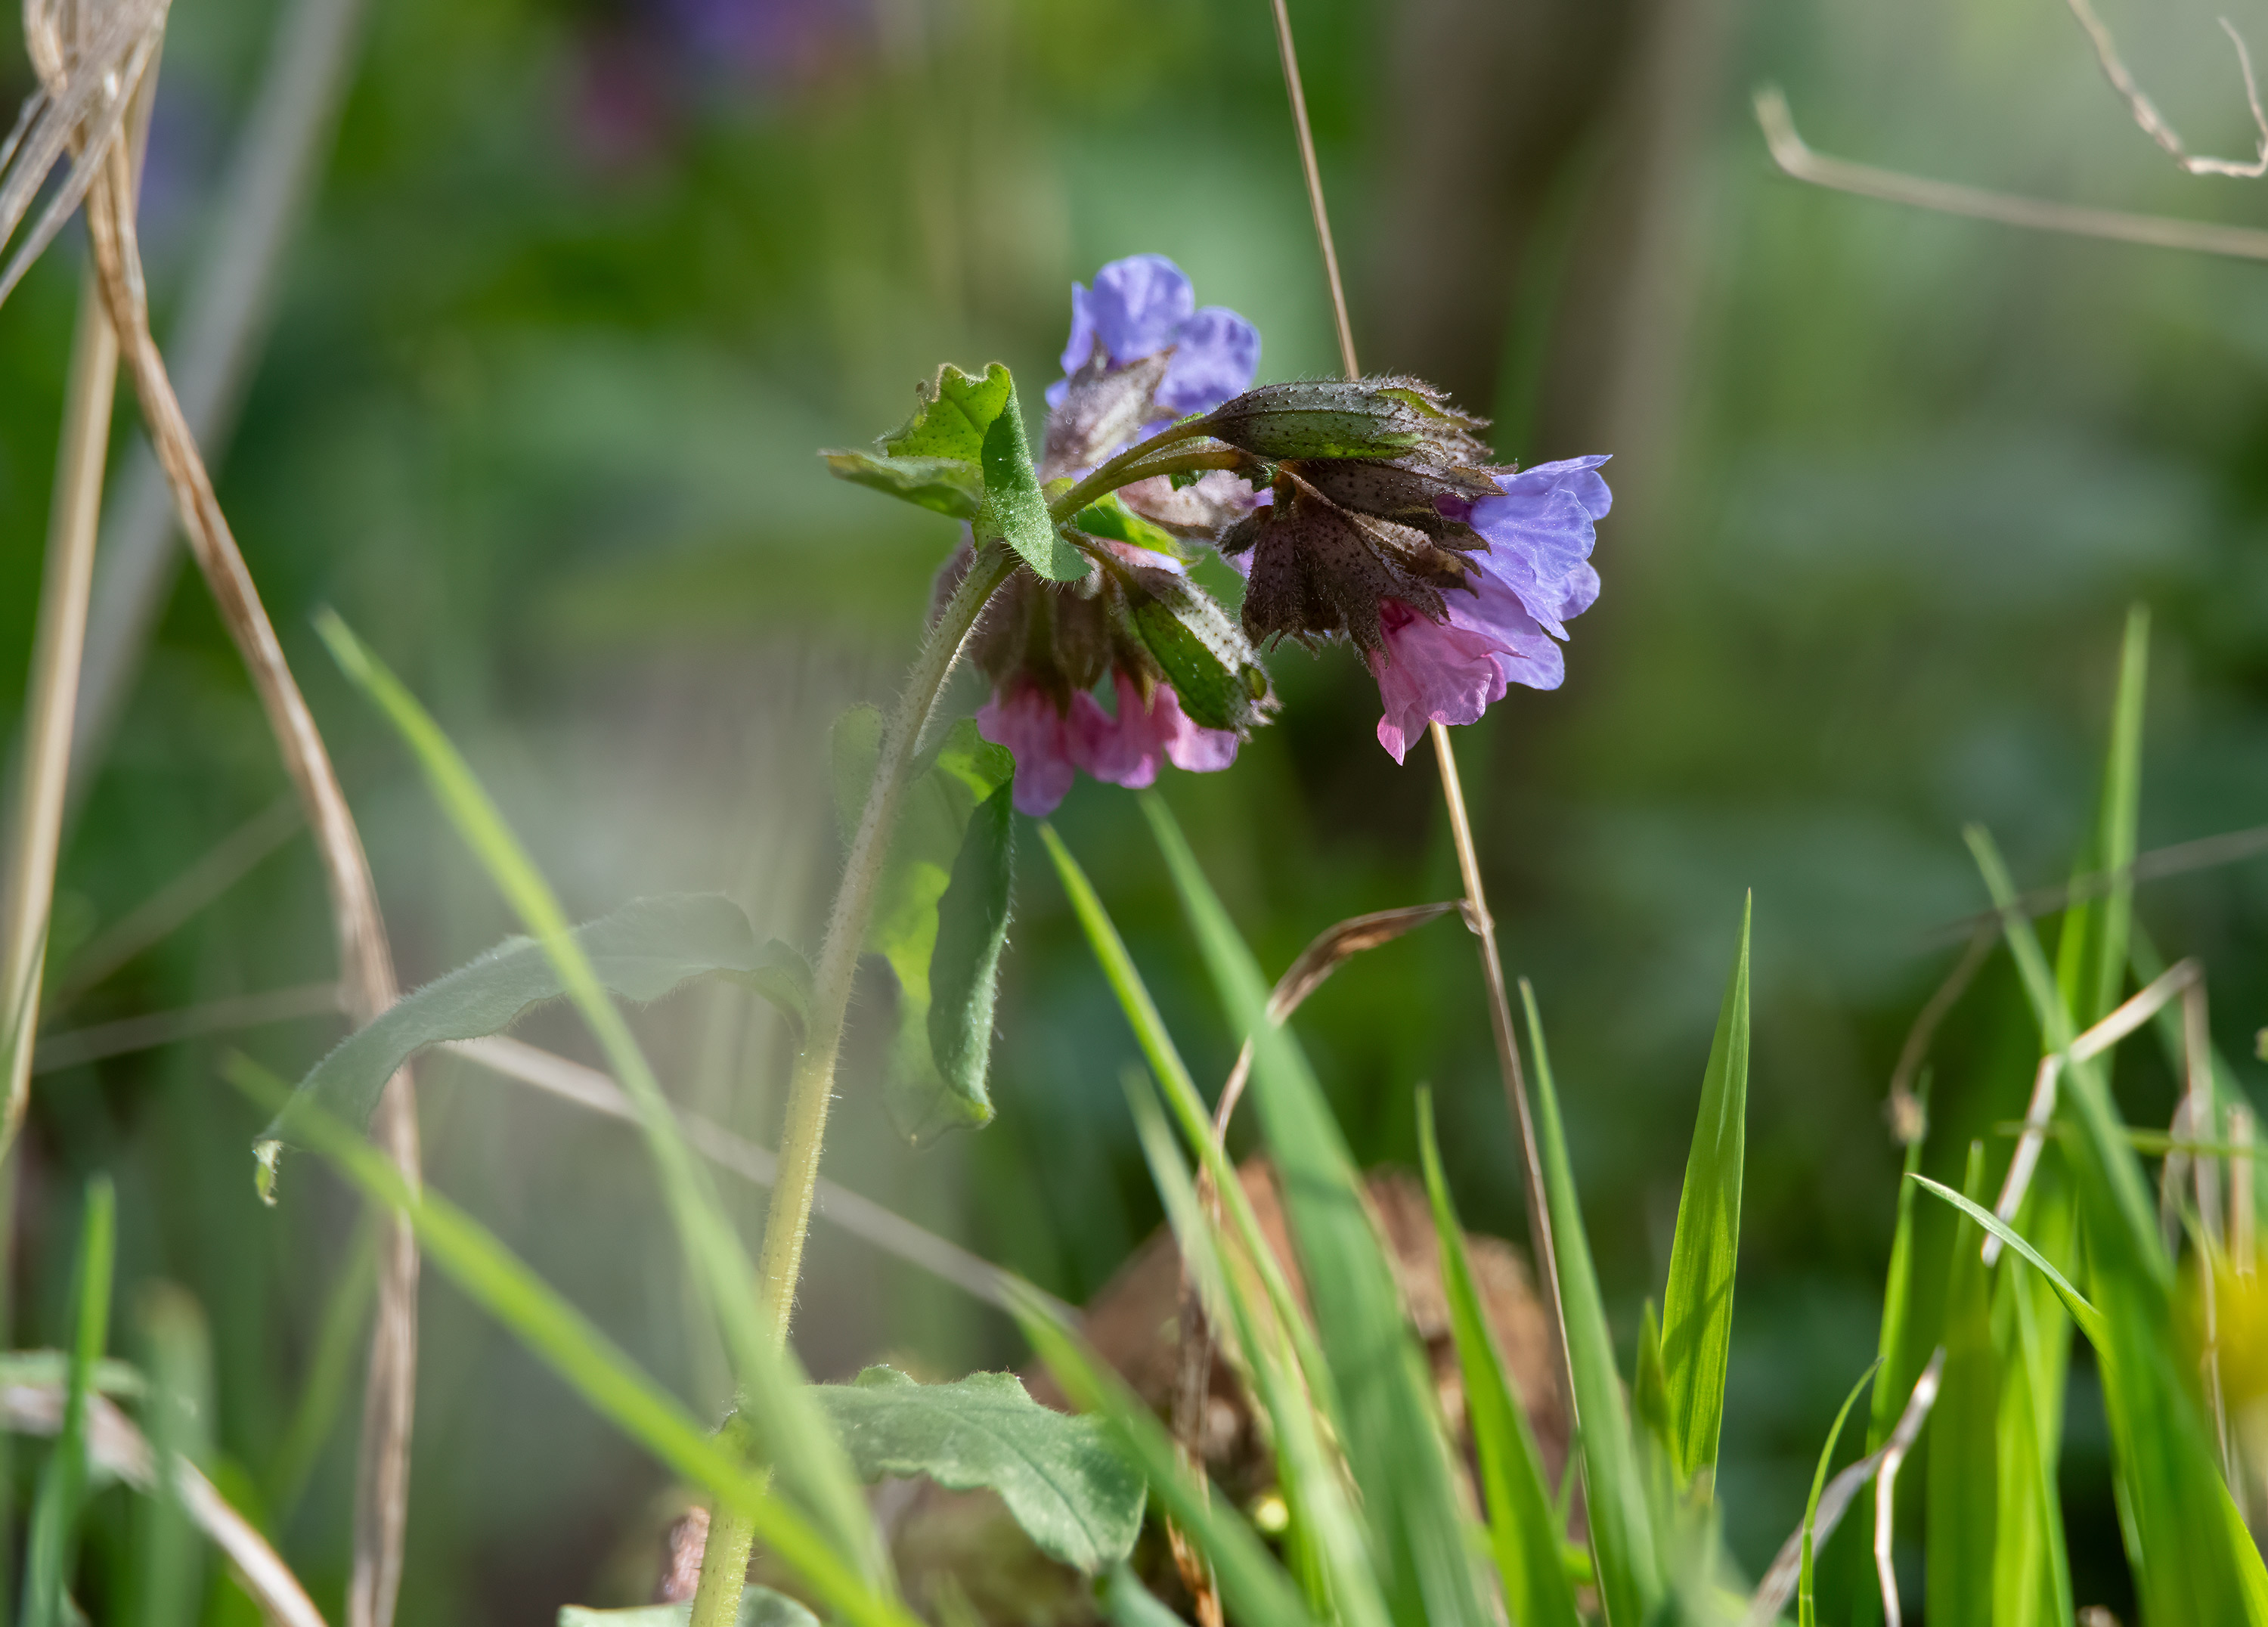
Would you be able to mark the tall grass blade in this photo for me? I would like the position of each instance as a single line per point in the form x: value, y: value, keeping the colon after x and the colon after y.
x: 1524, y: 1534
x: 1807, y: 1606
x: 52, y: 1548
x: 788, y: 1433
x: 1627, y: 1563
x: 1325, y: 1534
x: 1963, y: 1467
x: 1696, y: 1307
x: 2118, y: 822
x: 2090, y: 1319
x: 170, y: 1565
x: 1189, y: 1110
x: 589, y: 1362
x: 1392, y: 1435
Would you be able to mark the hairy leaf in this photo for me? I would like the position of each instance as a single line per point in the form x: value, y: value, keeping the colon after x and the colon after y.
x: 641, y: 952
x: 926, y: 1089
x: 1061, y: 1476
x: 946, y: 486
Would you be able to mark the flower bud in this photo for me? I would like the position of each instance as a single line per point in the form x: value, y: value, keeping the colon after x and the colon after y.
x: 1402, y: 419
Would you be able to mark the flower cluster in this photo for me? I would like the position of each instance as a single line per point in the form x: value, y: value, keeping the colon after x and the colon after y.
x: 1387, y: 525
x: 1141, y: 354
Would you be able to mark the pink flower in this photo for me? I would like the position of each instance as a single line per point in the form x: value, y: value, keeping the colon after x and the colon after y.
x: 1046, y: 741
x: 1127, y: 749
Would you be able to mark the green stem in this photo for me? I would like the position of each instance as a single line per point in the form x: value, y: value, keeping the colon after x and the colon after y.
x: 1120, y: 470
x: 723, y: 1564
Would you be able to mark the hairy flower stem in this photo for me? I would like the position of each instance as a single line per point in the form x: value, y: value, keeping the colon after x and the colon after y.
x: 1121, y: 470
x: 725, y: 1562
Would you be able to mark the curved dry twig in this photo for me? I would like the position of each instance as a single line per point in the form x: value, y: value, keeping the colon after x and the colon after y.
x: 2154, y: 123
x: 366, y: 963
x: 1798, y: 162
x: 115, y: 1446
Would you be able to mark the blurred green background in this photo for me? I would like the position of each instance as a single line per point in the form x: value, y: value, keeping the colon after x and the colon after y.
x: 584, y: 286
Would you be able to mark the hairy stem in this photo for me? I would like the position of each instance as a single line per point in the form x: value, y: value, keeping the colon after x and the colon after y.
x: 1120, y: 470
x: 724, y: 1563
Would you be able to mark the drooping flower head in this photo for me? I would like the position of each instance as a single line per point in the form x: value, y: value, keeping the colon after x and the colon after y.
x: 1389, y: 526
x: 1141, y: 354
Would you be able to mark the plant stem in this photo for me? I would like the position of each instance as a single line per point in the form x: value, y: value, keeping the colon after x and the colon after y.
x: 725, y: 1562
x: 1119, y: 471
x: 1461, y: 827
x: 65, y: 585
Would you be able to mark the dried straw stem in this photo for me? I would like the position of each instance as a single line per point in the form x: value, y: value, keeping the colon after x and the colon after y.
x: 1461, y: 825
x: 366, y: 965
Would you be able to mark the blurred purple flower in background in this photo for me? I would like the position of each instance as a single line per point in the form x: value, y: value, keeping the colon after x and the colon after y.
x: 1143, y: 305
x: 1532, y: 575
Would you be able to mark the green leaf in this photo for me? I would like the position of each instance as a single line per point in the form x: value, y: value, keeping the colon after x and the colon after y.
x: 954, y: 414
x: 1014, y: 509
x: 169, y: 1568
x: 1696, y: 1307
x: 948, y: 486
x: 1391, y: 1437
x: 1962, y: 1509
x: 1807, y: 1608
x: 772, y: 1406
x: 50, y: 1548
x: 592, y: 1364
x: 1213, y: 666
x: 1524, y: 1532
x: 642, y: 951
x: 934, y: 1079
x: 1253, y: 1585
x: 1061, y: 1476
x: 1130, y: 1604
x: 760, y: 1607
x: 2089, y: 1319
x: 1107, y: 517
x: 964, y: 968
x: 1622, y: 1528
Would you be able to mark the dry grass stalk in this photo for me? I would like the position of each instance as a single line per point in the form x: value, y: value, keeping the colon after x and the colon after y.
x: 1798, y: 161
x: 366, y: 965
x: 2154, y: 123
x: 115, y: 1446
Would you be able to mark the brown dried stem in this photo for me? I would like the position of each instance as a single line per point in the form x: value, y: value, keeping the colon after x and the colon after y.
x: 1797, y: 161
x: 366, y: 964
x: 2154, y: 123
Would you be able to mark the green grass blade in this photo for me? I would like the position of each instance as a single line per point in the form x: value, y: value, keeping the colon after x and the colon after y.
x: 1696, y: 1309
x: 590, y: 1363
x: 1963, y: 1464
x: 1253, y: 1586
x: 1628, y: 1564
x: 1188, y: 1107
x: 1524, y: 1537
x: 1807, y: 1607
x: 2031, y: 1573
x: 1393, y: 1436
x: 51, y: 1549
x: 2119, y: 819
x: 178, y: 1418
x: 1325, y: 1530
x: 2086, y: 1316
x: 788, y: 1433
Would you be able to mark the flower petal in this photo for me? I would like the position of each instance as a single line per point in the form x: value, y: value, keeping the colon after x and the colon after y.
x: 1028, y: 725
x: 1431, y: 673
x: 1082, y: 334
x: 1579, y: 476
x: 1216, y: 353
x: 1137, y: 305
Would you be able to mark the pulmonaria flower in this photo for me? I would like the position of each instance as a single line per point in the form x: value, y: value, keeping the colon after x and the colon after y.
x: 1142, y: 354
x: 1045, y: 646
x: 1387, y: 526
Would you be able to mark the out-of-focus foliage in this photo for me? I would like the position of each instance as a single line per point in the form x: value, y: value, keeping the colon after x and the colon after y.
x: 586, y: 285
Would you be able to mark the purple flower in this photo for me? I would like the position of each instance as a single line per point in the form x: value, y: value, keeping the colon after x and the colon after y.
x: 1532, y: 575
x: 1141, y: 353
